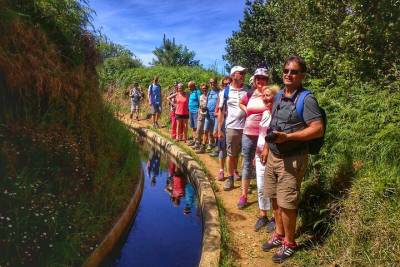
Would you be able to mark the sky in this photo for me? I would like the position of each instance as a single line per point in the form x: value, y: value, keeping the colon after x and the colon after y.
x: 201, y: 25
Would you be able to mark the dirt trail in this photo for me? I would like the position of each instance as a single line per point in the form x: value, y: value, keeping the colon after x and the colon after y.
x: 245, y: 242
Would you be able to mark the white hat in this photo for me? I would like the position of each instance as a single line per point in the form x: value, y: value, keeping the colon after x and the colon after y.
x: 237, y: 68
x: 261, y: 72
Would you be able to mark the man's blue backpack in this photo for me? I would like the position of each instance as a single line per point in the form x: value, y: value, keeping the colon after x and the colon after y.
x: 315, y: 145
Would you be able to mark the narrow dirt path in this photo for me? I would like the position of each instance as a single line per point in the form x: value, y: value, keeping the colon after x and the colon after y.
x: 245, y: 242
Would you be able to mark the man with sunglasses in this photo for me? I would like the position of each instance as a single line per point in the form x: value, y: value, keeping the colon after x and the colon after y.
x: 287, y: 155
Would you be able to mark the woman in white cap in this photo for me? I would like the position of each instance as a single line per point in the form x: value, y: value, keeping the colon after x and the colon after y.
x: 253, y: 105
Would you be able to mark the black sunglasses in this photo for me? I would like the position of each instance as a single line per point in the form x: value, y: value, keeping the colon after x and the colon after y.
x: 292, y: 72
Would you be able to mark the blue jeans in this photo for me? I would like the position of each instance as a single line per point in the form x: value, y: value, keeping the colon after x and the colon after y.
x: 249, y: 145
x: 193, y: 120
x: 210, y: 123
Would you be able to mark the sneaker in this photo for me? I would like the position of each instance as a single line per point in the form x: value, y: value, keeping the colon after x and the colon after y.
x: 242, y: 202
x: 221, y: 175
x: 261, y: 222
x: 191, y: 143
x: 237, y: 176
x: 270, y: 227
x: 209, y: 148
x: 274, y: 242
x: 286, y: 251
x: 196, y: 146
x: 214, y: 153
x: 201, y: 149
x: 229, y: 183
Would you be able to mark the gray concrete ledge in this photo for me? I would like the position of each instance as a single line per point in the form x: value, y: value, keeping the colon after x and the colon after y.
x: 119, y: 229
x: 210, y: 253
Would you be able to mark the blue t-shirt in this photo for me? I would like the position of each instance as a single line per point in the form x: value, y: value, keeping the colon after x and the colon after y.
x: 212, y: 100
x: 155, y: 94
x: 194, y: 99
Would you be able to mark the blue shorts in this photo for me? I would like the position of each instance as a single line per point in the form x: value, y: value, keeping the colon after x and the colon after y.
x: 210, y: 123
x: 193, y: 120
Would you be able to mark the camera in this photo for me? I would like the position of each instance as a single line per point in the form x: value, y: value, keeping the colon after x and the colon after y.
x: 271, y: 136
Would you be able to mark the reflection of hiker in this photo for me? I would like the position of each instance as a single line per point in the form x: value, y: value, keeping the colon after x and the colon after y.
x: 189, y: 198
x: 136, y: 96
x: 154, y: 94
x: 178, y: 187
x: 153, y: 166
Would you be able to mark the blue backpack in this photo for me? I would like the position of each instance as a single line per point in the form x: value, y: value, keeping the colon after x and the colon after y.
x: 315, y: 145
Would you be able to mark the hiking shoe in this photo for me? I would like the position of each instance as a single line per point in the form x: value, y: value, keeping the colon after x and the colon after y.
x: 237, y: 176
x: 191, y: 143
x: 242, y: 202
x: 229, y: 183
x: 209, y: 148
x: 274, y: 242
x: 214, y: 153
x: 131, y: 116
x: 201, y: 149
x: 221, y: 175
x: 261, y: 222
x: 197, y: 146
x: 157, y: 125
x: 285, y: 251
x: 270, y: 227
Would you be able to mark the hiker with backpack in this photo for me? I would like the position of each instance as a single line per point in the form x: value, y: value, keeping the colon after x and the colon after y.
x: 297, y: 121
x: 221, y: 142
x: 200, y: 146
x: 194, y: 101
x: 253, y: 105
x: 136, y: 96
x: 234, y: 122
x: 154, y: 95
x: 210, y: 123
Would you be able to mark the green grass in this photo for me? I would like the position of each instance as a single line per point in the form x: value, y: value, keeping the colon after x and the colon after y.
x: 57, y: 206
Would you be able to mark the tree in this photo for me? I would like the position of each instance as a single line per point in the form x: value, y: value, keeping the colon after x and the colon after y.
x: 348, y: 40
x: 170, y: 54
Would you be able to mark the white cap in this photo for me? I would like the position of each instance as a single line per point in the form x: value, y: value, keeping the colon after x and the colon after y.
x: 237, y: 68
x: 261, y: 72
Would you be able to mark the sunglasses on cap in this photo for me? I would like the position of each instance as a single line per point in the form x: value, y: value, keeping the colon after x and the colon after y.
x: 292, y: 72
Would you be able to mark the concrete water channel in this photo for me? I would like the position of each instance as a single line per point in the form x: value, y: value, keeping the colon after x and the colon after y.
x: 167, y: 230
x: 180, y: 225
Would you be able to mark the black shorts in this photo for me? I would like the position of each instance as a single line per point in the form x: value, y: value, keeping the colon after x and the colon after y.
x: 182, y: 117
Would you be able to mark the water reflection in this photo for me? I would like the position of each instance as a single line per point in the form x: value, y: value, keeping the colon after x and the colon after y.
x: 178, y: 187
x: 168, y: 221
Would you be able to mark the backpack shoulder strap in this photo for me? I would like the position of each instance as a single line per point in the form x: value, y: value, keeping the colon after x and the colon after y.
x: 277, y: 99
x: 226, y: 95
x: 300, y: 102
x: 249, y: 93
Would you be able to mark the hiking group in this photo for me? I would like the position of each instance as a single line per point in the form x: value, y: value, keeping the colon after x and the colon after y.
x: 274, y: 130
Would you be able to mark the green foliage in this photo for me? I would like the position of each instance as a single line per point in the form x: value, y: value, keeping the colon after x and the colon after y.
x: 69, y: 163
x: 339, y: 39
x: 65, y: 28
x: 351, y: 193
x: 169, y: 54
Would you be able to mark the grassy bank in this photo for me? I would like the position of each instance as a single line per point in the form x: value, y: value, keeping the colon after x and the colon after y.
x: 67, y: 166
x: 350, y: 196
